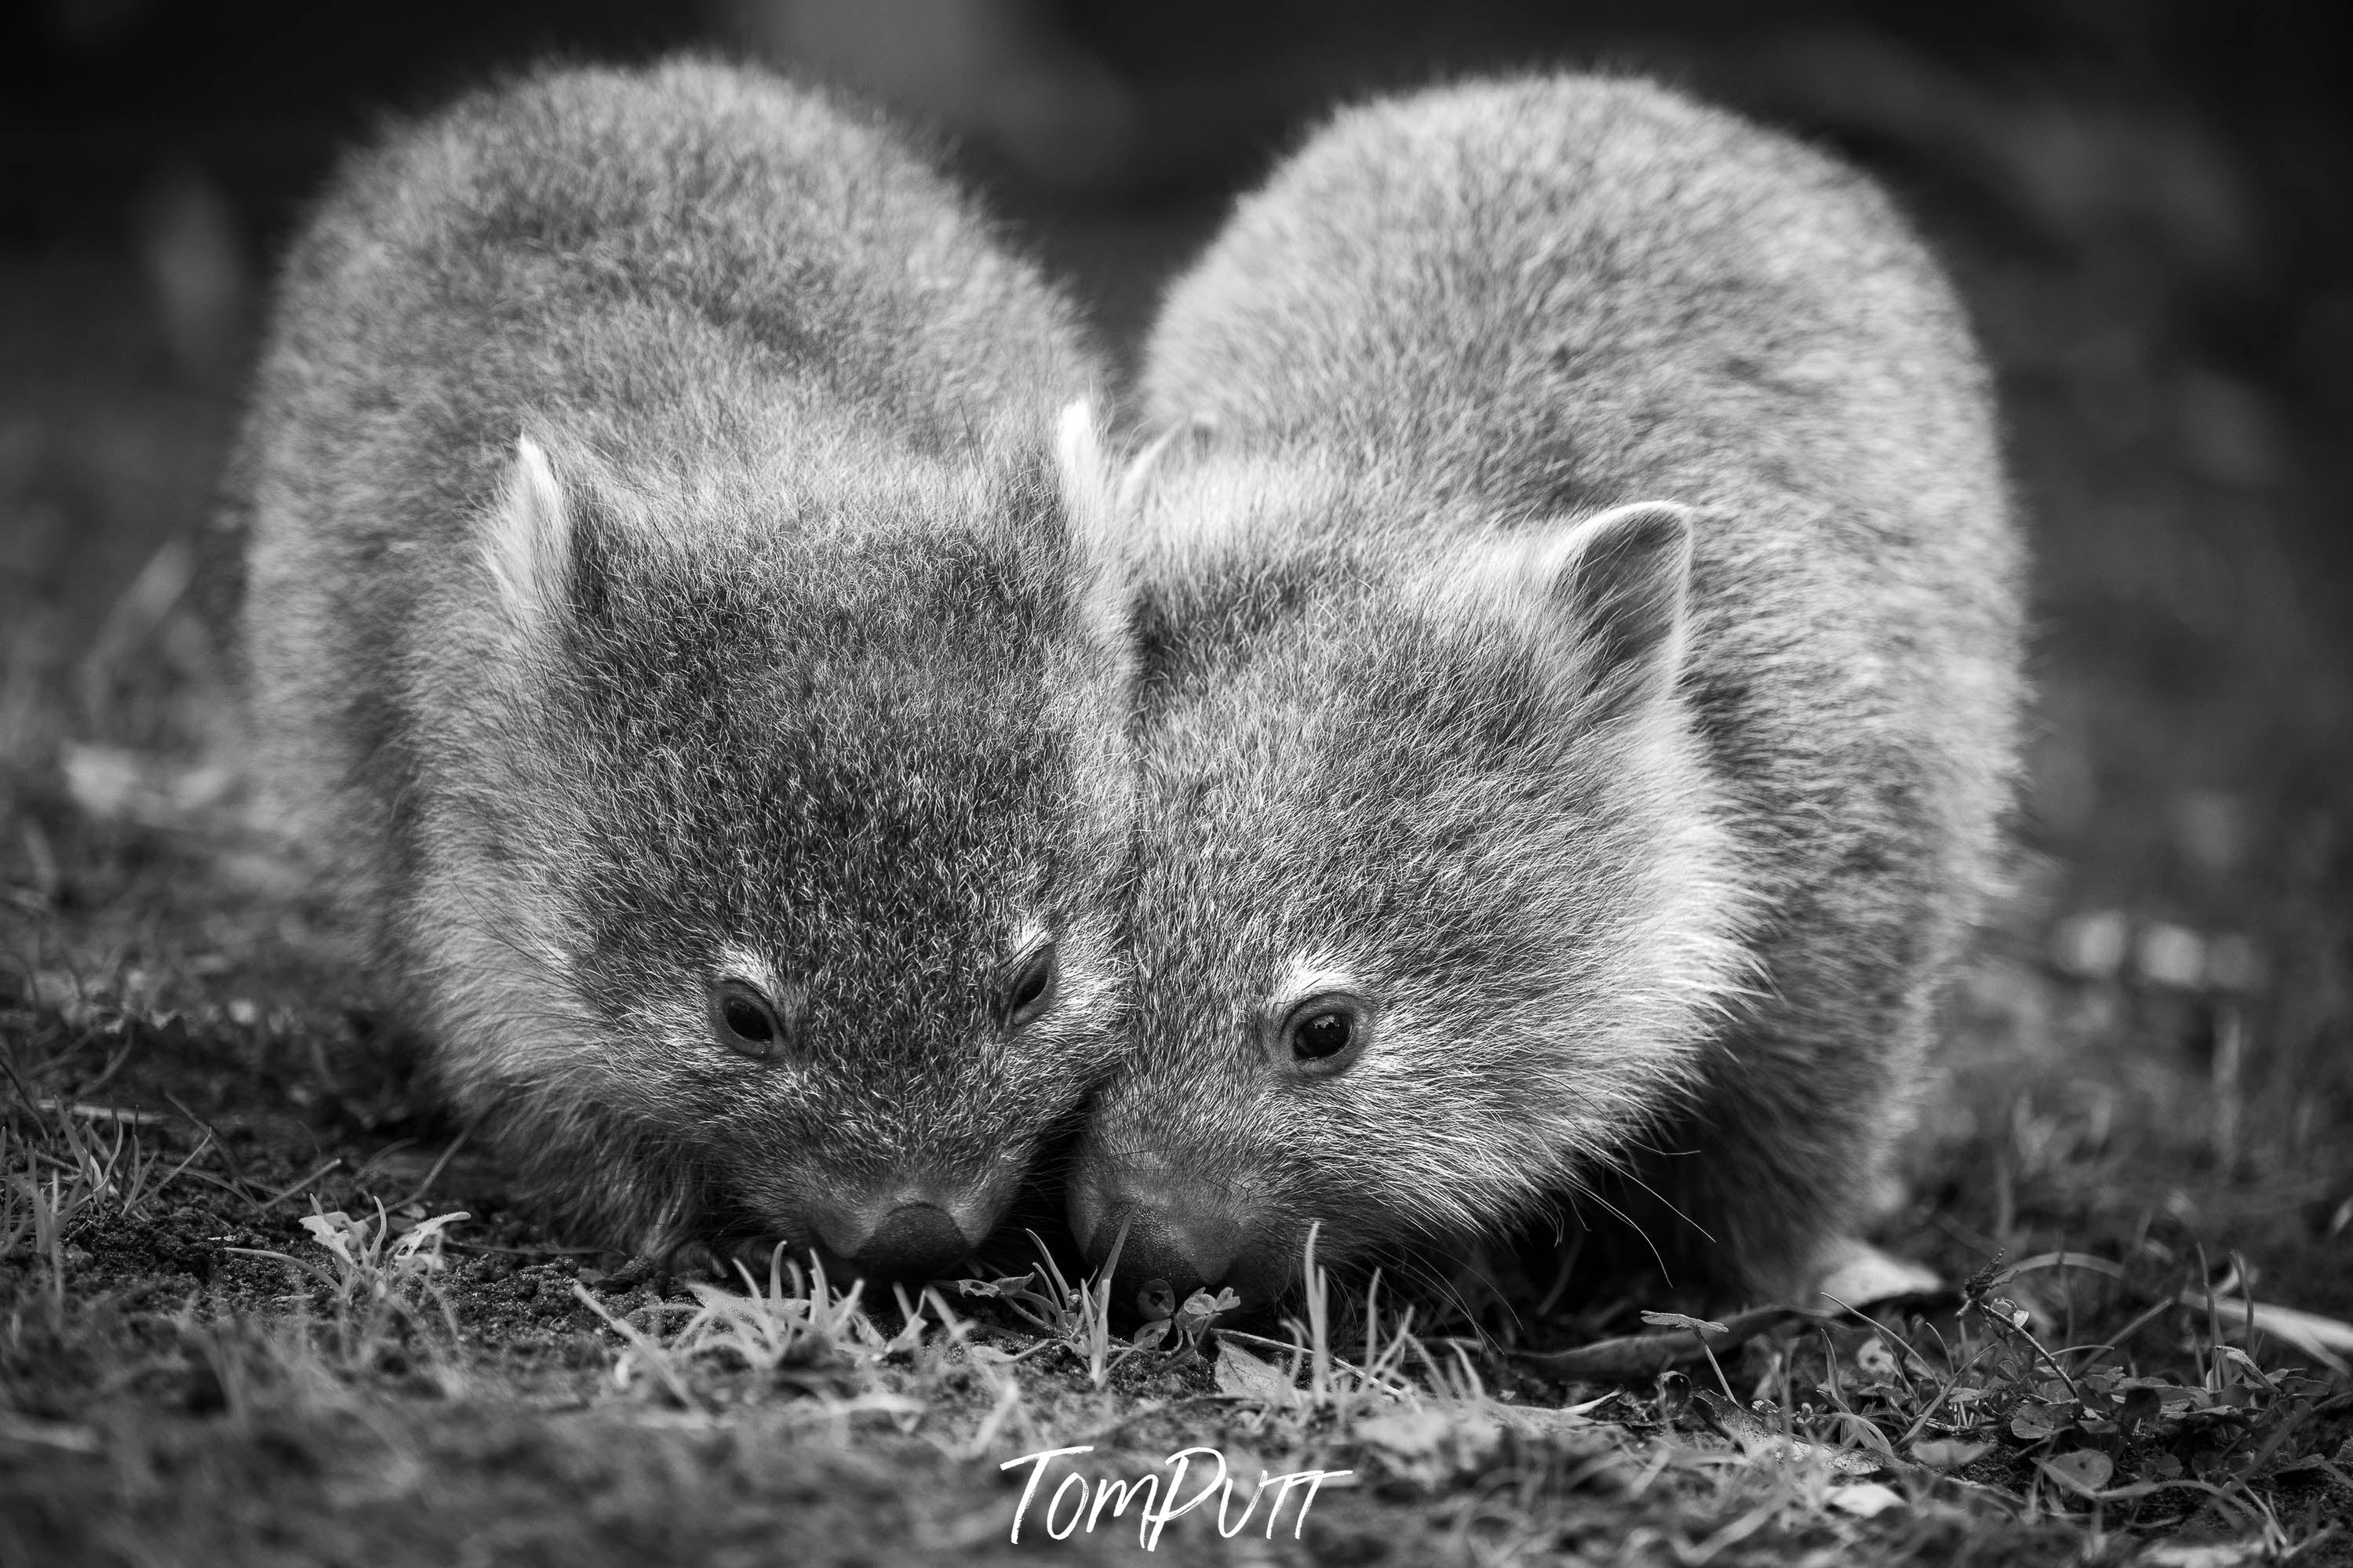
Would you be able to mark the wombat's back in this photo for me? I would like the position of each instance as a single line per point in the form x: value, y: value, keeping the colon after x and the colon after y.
x: 1551, y: 295
x: 1519, y: 302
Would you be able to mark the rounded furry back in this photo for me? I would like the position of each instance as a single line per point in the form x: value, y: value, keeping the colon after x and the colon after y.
x: 657, y: 607
x: 1670, y: 959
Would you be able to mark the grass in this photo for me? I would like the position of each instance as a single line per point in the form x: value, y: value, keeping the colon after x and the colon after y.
x: 2081, y: 1403
x: 259, y: 1304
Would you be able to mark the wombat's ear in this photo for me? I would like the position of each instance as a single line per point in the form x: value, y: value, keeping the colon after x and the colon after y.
x: 1194, y: 430
x: 528, y: 544
x: 1088, y: 494
x: 1622, y: 581
x: 1097, y: 503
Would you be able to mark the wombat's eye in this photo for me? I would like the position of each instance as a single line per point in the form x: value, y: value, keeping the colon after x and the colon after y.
x: 1031, y: 987
x: 1324, y: 1034
x: 745, y: 1021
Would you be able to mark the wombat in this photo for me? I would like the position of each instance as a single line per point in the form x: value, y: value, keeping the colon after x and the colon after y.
x: 1572, y: 647
x: 656, y: 620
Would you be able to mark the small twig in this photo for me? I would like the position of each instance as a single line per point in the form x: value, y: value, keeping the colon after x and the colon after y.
x: 114, y: 1115
x: 525, y: 1251
x: 2049, y: 1360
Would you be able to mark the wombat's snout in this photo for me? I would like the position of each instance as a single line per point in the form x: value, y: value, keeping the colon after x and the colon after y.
x: 1175, y: 1242
x: 911, y: 1240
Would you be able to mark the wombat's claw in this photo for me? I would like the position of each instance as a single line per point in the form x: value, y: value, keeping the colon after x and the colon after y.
x: 632, y: 1274
x: 660, y: 1264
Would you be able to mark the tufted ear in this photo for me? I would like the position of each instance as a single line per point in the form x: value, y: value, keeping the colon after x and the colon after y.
x: 528, y: 539
x: 1097, y: 503
x: 1195, y: 429
x: 1620, y: 582
x: 1089, y: 497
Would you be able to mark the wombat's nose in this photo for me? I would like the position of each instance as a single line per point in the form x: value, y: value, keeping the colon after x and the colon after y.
x: 1160, y: 1265
x: 1170, y: 1234
x: 914, y: 1242
x: 1165, y: 1258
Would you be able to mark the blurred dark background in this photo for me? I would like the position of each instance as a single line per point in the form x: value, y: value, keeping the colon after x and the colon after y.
x: 2144, y: 201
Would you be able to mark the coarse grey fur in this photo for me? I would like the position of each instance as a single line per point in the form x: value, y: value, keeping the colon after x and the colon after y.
x: 656, y: 578
x: 1573, y: 620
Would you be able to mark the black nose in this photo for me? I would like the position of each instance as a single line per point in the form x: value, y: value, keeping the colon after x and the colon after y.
x: 1156, y: 1272
x: 915, y: 1242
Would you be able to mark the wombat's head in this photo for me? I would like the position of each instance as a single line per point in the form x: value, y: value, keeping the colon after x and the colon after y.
x: 767, y: 910
x: 1428, y: 905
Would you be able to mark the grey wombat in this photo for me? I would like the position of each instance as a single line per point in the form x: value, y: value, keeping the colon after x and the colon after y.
x: 657, y: 594
x: 1573, y: 655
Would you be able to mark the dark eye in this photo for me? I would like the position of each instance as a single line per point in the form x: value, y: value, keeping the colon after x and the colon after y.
x: 1031, y: 988
x: 1324, y: 1034
x: 745, y: 1021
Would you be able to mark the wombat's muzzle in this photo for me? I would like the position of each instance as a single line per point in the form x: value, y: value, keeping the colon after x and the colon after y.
x: 1170, y: 1244
x: 910, y: 1242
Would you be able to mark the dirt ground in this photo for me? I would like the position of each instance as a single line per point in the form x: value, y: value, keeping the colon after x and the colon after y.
x: 238, y: 1325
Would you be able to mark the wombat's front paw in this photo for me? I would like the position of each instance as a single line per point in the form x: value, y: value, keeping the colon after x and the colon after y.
x: 660, y: 1262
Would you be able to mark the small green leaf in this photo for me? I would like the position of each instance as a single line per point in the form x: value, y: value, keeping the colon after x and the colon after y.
x: 2032, y: 1422
x: 2087, y: 1470
x: 1200, y: 1306
x: 1156, y: 1298
x: 1678, y: 1320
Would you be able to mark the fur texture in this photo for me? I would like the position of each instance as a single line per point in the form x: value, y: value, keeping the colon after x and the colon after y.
x: 1573, y: 630
x: 657, y: 593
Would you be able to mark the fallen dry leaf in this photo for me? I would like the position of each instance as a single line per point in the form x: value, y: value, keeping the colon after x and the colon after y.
x: 1647, y: 1355
x: 1948, y: 1454
x: 1247, y: 1376
x: 2326, y: 1340
x: 2203, y: 1553
x: 1759, y: 1441
x: 1864, y: 1499
x: 1863, y: 1275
